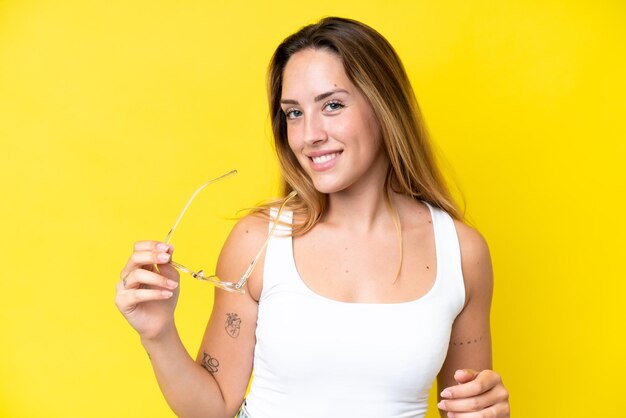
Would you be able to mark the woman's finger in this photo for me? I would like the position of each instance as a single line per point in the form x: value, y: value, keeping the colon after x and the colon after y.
x: 127, y: 301
x: 141, y: 277
x: 140, y: 259
x: 499, y: 410
x: 155, y: 247
x: 151, y: 246
x: 473, y: 404
x: 483, y: 382
x: 465, y: 375
x: 168, y: 271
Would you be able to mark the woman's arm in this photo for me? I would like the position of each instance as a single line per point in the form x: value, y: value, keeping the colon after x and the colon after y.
x: 214, y: 384
x: 468, y: 388
x: 227, y: 349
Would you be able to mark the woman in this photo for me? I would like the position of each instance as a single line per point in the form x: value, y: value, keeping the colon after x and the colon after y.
x: 376, y: 286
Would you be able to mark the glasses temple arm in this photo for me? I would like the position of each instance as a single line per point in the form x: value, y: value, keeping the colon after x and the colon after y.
x: 248, y: 272
x: 193, y: 196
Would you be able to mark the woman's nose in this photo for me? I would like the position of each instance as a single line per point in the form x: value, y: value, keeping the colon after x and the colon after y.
x: 314, y: 130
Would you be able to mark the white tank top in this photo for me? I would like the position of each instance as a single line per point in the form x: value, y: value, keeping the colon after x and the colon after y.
x: 320, y: 358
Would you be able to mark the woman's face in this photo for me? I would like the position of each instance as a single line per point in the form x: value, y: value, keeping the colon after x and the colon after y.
x: 331, y: 127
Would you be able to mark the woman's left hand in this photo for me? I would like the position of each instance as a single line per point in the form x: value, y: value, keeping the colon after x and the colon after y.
x: 478, y: 394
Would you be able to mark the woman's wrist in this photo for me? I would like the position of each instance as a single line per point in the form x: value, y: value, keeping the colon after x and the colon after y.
x: 167, y: 335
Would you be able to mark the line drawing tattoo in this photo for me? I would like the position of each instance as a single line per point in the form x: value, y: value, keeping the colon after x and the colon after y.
x: 467, y: 342
x: 209, y: 363
x: 233, y: 324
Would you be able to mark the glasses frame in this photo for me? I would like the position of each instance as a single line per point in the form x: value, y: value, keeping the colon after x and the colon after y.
x: 234, y: 287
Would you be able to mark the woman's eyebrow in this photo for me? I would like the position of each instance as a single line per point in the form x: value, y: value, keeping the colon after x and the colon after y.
x: 316, y: 98
x: 329, y: 93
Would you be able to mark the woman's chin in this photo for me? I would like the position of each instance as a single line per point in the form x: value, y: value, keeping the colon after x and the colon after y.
x: 326, y: 187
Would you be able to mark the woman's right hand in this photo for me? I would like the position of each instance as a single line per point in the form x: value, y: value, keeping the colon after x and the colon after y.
x: 147, y: 298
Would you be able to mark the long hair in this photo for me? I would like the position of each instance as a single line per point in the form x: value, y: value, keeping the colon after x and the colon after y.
x: 373, y: 66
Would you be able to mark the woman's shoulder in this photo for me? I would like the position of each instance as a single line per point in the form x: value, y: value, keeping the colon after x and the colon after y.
x: 241, y: 247
x: 474, y: 247
x: 249, y: 231
x: 475, y: 259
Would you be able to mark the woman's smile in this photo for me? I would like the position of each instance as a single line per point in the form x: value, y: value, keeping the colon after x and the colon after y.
x: 322, y: 161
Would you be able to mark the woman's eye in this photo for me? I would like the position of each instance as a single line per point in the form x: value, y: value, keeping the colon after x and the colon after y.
x: 333, y: 106
x: 293, y: 113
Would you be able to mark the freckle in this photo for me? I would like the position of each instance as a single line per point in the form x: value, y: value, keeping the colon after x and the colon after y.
x: 461, y: 343
x: 475, y: 341
x: 469, y: 342
x: 346, y: 248
x: 246, y: 231
x: 427, y: 268
x: 347, y: 271
x: 430, y: 222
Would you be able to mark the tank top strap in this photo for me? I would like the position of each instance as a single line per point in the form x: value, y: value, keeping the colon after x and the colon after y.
x: 283, y: 228
x: 448, y: 253
x: 278, y: 251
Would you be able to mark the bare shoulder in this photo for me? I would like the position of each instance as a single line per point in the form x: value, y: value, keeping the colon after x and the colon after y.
x: 249, y: 231
x: 475, y: 260
x: 474, y: 249
x: 240, y: 248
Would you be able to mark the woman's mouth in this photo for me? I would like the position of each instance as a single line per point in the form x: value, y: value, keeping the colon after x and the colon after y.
x: 325, y: 161
x: 323, y: 158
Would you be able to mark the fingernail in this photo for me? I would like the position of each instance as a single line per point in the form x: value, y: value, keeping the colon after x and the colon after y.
x: 166, y: 293
x: 451, y: 415
x: 172, y: 284
x: 163, y: 257
x: 162, y: 246
x: 446, y: 393
x: 441, y: 405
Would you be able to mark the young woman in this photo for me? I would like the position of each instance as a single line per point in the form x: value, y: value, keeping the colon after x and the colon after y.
x: 372, y: 287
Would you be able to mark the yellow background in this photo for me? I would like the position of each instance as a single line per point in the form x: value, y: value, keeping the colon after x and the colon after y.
x: 112, y: 112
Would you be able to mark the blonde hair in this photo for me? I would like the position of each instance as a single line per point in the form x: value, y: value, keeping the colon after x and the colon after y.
x: 373, y: 66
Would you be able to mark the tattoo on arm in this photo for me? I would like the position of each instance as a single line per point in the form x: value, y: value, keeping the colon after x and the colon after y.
x: 467, y: 342
x: 233, y: 324
x: 209, y: 363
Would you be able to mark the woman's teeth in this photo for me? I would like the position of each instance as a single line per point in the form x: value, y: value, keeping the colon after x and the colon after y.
x: 323, y: 158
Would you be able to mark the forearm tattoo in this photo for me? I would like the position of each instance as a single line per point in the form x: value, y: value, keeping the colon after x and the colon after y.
x: 209, y: 363
x: 233, y: 324
x: 467, y: 341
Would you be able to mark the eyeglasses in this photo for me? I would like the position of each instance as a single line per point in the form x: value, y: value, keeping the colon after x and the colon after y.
x: 235, y: 287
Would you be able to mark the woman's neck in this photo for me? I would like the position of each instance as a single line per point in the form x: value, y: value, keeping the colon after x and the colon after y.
x: 359, y: 209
